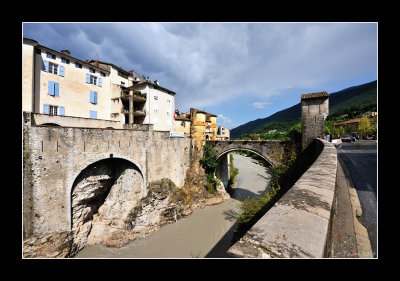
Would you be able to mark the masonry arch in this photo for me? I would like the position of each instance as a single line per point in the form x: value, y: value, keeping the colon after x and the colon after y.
x: 106, y: 188
x: 224, y: 153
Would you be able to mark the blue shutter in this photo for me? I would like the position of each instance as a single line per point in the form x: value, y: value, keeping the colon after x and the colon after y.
x: 46, y: 66
x: 93, y: 114
x: 87, y: 78
x: 46, y: 109
x: 95, y: 97
x: 48, y: 55
x: 56, y: 89
x: 91, y: 97
x: 62, y: 70
x: 62, y: 111
x: 99, y: 82
x: 51, y: 88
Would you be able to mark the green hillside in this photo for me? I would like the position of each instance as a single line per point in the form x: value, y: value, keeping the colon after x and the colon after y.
x: 360, y: 95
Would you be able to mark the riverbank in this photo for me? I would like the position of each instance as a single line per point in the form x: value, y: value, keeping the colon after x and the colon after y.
x: 206, y: 232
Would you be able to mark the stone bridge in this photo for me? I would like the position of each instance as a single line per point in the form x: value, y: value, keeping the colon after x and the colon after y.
x: 265, y: 149
x: 57, y: 160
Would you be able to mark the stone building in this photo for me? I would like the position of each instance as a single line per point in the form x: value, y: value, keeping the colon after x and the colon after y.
x: 314, y: 111
x: 57, y: 84
x: 223, y: 133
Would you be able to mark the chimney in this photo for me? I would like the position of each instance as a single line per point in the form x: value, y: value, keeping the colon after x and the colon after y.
x: 67, y: 52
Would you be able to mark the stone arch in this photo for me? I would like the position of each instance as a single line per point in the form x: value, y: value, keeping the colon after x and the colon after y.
x: 269, y: 161
x: 103, y: 193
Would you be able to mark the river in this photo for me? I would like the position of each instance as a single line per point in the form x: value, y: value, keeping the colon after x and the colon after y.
x: 206, y: 233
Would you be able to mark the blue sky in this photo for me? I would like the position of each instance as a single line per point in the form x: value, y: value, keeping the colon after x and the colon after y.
x: 238, y: 71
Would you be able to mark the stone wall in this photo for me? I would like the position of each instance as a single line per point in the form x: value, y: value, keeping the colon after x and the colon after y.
x: 297, y: 226
x: 314, y: 110
x: 55, y: 156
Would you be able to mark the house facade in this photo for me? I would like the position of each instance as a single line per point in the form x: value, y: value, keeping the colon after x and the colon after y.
x: 55, y: 83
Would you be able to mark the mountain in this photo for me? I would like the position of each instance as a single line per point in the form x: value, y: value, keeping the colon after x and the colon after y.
x: 354, y: 96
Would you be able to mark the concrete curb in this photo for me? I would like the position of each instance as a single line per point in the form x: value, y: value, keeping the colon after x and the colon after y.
x: 363, y: 243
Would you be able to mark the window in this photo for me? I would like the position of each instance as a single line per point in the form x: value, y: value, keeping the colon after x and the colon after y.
x: 53, y: 110
x: 155, y: 97
x: 93, y: 97
x: 93, y: 114
x: 53, y: 67
x: 78, y: 65
x: 122, y: 83
x: 91, y: 70
x: 53, y: 88
x: 102, y: 74
x: 50, y: 55
x: 93, y: 80
x: 64, y: 60
x: 168, y: 100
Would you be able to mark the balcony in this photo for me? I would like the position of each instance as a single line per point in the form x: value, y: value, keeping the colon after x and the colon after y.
x: 139, y: 112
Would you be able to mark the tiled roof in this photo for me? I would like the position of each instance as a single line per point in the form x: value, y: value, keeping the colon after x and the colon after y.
x: 357, y: 120
x: 314, y: 95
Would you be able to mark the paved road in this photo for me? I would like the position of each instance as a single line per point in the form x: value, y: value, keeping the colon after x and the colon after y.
x: 360, y: 159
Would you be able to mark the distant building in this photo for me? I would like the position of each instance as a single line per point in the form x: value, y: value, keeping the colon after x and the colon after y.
x: 197, y: 123
x: 223, y: 133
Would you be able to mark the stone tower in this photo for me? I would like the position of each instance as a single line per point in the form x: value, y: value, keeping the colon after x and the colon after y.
x: 314, y: 110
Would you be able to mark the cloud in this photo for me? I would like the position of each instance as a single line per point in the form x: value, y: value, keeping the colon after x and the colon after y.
x: 260, y: 104
x: 224, y: 118
x: 208, y: 64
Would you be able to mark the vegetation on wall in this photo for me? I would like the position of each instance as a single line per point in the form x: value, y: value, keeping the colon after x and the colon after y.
x: 209, y: 163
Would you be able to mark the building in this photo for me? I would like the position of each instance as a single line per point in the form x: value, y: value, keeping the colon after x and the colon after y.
x: 197, y: 123
x: 222, y: 133
x: 55, y: 83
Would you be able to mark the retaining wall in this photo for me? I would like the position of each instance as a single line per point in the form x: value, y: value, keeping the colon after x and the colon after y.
x: 298, y: 225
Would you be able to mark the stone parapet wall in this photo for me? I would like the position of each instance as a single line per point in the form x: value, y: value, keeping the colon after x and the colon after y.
x: 297, y: 226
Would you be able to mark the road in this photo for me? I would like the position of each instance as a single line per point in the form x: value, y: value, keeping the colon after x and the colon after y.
x: 360, y: 159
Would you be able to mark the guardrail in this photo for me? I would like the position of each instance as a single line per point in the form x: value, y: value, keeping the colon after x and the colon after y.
x: 298, y: 225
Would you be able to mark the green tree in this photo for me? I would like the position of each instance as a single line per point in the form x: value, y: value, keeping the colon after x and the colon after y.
x: 364, y: 126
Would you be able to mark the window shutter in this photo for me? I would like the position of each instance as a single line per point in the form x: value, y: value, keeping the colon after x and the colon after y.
x: 62, y: 111
x: 91, y: 97
x: 46, y: 65
x: 51, y: 88
x: 87, y: 78
x: 56, y: 89
x: 99, y: 82
x: 93, y: 114
x: 95, y: 97
x: 46, y: 109
x: 62, y: 70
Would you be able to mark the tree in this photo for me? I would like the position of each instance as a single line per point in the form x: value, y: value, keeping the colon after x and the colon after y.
x: 364, y: 126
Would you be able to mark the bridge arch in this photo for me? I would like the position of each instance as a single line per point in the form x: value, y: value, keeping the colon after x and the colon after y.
x: 90, y: 163
x: 267, y: 159
x: 100, y: 193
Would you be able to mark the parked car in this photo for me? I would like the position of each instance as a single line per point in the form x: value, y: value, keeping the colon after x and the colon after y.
x: 347, y: 138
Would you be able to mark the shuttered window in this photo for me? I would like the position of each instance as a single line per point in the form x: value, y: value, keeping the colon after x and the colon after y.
x: 93, y: 97
x: 53, y: 88
x: 93, y: 114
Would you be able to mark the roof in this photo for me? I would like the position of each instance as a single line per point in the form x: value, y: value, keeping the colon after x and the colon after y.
x: 155, y: 86
x: 315, y: 95
x: 113, y: 65
x: 36, y: 44
x: 182, y: 118
x: 357, y: 120
x: 201, y: 111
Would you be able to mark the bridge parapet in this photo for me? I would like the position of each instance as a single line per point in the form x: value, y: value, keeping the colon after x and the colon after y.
x: 298, y: 224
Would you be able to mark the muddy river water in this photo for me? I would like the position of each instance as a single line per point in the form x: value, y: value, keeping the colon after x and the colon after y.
x: 206, y: 233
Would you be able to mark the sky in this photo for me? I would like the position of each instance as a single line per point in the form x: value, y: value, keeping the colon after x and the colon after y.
x: 239, y: 71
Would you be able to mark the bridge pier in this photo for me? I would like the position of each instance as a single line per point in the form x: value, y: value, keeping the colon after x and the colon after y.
x: 222, y: 171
